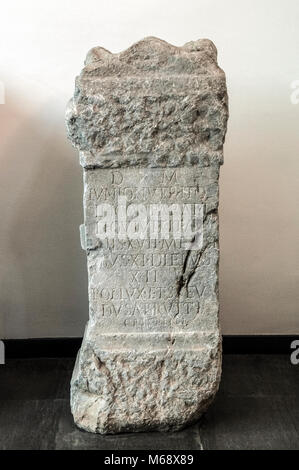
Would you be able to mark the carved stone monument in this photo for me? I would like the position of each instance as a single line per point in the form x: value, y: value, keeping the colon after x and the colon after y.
x: 149, y: 124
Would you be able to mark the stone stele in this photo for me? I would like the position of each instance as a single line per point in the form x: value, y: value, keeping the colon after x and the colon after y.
x: 149, y: 124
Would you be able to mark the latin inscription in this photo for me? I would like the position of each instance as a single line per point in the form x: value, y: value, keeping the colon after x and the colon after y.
x: 141, y: 284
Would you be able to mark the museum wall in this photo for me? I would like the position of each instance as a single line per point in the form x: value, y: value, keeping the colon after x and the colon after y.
x: 43, y: 279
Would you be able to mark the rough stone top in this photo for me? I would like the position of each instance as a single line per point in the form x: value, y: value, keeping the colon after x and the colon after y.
x: 153, y: 104
x: 150, y: 56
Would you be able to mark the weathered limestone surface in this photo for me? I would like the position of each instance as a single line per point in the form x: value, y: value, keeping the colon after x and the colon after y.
x: 149, y: 124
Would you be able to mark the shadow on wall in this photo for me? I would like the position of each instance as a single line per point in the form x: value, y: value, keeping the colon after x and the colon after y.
x: 43, y: 279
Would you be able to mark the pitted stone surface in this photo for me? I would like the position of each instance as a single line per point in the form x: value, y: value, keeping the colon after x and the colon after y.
x: 149, y: 124
x: 154, y: 104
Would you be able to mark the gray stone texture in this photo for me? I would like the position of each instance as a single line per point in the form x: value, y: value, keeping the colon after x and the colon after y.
x: 149, y: 124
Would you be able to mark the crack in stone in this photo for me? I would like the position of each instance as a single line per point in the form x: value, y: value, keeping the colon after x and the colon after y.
x: 184, y: 278
x: 181, y: 280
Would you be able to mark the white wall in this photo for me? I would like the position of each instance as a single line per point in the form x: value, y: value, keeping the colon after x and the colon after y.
x: 43, y: 287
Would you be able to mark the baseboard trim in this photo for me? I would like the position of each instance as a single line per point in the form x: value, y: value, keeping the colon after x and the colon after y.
x: 68, y: 347
x: 41, y: 347
x: 258, y: 344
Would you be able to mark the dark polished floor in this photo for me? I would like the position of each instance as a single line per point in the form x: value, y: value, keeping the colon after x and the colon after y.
x: 257, y: 407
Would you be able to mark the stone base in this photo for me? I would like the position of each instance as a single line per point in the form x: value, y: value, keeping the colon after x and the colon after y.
x: 131, y: 390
